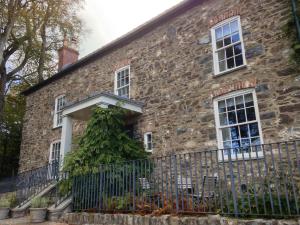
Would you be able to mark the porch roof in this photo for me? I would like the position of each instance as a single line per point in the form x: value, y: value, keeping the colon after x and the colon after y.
x: 82, y: 109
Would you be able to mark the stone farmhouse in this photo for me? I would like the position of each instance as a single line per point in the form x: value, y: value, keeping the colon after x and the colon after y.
x: 205, y: 74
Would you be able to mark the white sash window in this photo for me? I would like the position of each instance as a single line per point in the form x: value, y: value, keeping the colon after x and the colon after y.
x: 238, y: 125
x: 228, y: 46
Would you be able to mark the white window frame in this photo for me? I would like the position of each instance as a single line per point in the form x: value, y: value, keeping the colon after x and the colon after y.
x: 146, y: 141
x: 116, y: 78
x: 214, y: 46
x: 244, y: 155
x: 56, y: 111
x: 51, y: 149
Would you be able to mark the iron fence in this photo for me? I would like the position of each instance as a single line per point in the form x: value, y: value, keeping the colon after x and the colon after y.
x: 30, y: 183
x: 262, y: 180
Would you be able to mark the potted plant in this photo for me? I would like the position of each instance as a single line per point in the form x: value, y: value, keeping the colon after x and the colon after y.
x: 6, y: 202
x: 4, y: 208
x: 38, y: 209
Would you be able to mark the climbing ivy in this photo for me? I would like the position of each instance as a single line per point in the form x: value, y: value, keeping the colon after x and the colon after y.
x: 104, y: 141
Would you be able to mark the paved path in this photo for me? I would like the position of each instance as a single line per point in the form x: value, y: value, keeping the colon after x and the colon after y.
x: 25, y: 221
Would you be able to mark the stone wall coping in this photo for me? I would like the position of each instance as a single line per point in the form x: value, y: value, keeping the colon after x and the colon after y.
x: 134, y: 219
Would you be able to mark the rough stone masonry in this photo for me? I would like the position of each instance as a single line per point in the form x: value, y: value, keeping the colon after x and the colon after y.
x: 171, y: 72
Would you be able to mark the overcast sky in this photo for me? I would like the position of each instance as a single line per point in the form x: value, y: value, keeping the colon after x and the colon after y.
x: 107, y: 20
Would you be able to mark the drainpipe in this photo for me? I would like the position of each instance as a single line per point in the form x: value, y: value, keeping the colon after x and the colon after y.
x: 297, y: 21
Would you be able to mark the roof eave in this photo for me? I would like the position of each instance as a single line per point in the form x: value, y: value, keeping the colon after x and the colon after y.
x: 120, y: 42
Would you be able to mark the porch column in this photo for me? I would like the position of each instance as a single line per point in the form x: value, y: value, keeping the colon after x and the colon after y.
x: 66, y: 136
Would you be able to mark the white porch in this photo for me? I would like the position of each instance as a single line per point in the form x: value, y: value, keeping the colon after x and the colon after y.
x: 82, y: 110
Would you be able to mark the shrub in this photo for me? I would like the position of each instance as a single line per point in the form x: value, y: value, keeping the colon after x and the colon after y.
x: 8, y: 201
x: 105, y: 141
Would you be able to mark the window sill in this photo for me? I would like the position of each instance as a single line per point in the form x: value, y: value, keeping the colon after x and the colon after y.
x: 241, y: 157
x: 229, y: 71
x: 150, y: 151
x: 57, y: 127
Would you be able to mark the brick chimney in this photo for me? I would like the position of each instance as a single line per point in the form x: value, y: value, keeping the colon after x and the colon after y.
x: 67, y: 55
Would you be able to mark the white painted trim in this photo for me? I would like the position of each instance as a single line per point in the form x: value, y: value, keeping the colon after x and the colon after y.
x: 66, y: 136
x: 102, y: 99
x: 51, y: 148
x: 214, y: 47
x: 146, y: 142
x: 116, y: 76
x: 217, y: 122
x: 55, y: 111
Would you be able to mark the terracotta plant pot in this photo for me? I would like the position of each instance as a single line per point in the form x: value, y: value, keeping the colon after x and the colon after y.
x: 38, y: 215
x: 4, y: 213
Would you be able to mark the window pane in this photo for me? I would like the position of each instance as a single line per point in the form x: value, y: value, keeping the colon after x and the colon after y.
x: 254, y: 129
x: 230, y: 104
x: 227, y: 144
x: 236, y: 144
x: 219, y: 33
x: 126, y: 91
x: 221, y: 55
x: 235, y: 38
x: 221, y: 106
x: 223, y: 119
x: 239, y: 60
x: 238, y: 49
x: 229, y: 52
x: 227, y: 41
x: 255, y: 141
x: 222, y: 66
x: 239, y: 102
x: 230, y: 63
x: 249, y: 100
x: 250, y: 114
x: 245, y: 143
x: 241, y: 116
x: 232, y: 117
x: 225, y: 134
x: 244, y: 131
x: 234, y: 26
x: 127, y: 72
x: 226, y: 30
x: 220, y: 44
x: 234, y: 131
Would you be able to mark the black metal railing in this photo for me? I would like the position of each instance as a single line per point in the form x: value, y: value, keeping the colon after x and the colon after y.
x: 63, y: 188
x: 27, y: 184
x: 32, y: 182
x: 255, y: 181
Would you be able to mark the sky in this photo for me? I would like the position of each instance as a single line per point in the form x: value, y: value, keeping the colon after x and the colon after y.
x: 106, y: 20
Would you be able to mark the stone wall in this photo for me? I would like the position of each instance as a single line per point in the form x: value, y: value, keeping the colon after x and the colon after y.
x: 172, y: 73
x: 128, y: 219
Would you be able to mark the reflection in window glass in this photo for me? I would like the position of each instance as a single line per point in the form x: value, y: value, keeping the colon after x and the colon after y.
x: 238, y: 122
x: 228, y: 46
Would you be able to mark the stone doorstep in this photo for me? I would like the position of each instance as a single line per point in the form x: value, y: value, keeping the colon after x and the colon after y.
x: 130, y: 219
